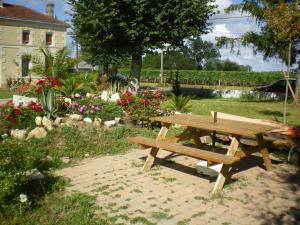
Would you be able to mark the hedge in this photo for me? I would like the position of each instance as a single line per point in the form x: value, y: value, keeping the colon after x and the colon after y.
x: 226, y: 78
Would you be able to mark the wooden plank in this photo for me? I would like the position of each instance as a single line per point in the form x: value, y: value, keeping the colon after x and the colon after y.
x: 206, y: 123
x: 264, y: 152
x: 184, y: 150
x: 151, y: 157
x: 225, y: 168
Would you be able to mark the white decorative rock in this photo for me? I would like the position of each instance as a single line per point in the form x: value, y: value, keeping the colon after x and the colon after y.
x: 88, y: 120
x: 76, y: 117
x: 38, y: 133
x: 97, y: 121
x: 104, y: 96
x: 47, y: 123
x: 22, y: 100
x: 4, y: 136
x: 115, y: 97
x: 38, y: 121
x: 68, y: 100
x: 89, y: 95
x: 65, y: 160
x: 58, y: 121
x: 110, y: 123
x: 18, y: 134
x: 117, y: 119
x: 35, y: 174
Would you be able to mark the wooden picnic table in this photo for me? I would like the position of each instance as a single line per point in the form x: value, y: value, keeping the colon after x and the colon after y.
x: 198, y: 126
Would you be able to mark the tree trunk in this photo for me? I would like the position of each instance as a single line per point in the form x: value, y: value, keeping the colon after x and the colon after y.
x: 136, y: 65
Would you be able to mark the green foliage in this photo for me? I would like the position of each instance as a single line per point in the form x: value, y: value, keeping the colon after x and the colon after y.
x: 15, y: 160
x: 226, y: 78
x: 202, y: 51
x: 52, y: 64
x: 95, y: 107
x: 225, y: 65
x: 49, y: 103
x: 71, y: 86
x: 122, y: 28
x: 179, y: 102
x: 265, y: 40
x: 109, y: 111
x: 79, y: 209
x: 193, y: 55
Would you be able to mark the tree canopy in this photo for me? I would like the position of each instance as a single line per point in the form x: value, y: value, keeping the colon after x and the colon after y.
x: 225, y: 65
x: 132, y: 27
x: 264, y: 41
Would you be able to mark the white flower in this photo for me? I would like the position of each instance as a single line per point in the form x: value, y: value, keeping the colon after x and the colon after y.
x: 77, y: 95
x: 68, y: 100
x: 23, y: 198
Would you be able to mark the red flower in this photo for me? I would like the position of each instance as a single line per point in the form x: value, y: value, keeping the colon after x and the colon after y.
x: 17, y: 112
x: 127, y: 94
x: 35, y: 106
x: 10, y: 103
x: 41, y: 82
x: 11, y: 119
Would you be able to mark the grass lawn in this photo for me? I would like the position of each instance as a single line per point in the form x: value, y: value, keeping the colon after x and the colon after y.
x: 258, y: 110
x: 5, y: 93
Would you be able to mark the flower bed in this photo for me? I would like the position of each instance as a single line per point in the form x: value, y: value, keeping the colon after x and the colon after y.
x: 142, y: 107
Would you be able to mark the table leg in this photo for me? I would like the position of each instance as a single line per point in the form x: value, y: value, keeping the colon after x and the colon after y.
x: 225, y: 168
x: 151, y: 157
x: 264, y: 152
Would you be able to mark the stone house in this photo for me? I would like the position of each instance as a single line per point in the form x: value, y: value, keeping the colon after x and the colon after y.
x: 22, y: 32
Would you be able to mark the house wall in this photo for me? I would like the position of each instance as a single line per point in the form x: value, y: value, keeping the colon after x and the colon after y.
x: 12, y: 49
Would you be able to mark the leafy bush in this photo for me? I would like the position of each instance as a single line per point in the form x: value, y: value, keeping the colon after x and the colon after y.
x: 226, y: 78
x: 15, y: 160
x: 95, y: 107
x: 19, y: 117
x: 141, y: 107
x: 179, y: 102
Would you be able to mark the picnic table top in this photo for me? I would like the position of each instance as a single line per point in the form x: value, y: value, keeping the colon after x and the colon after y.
x: 222, y: 125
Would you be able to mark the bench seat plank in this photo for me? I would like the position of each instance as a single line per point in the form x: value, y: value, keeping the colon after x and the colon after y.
x: 184, y: 150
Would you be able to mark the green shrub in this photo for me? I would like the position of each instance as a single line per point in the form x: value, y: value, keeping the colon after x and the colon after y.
x: 179, y: 102
x: 15, y: 160
x: 226, y: 78
x: 95, y: 107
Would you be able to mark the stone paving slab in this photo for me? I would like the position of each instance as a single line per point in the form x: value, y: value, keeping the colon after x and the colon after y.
x: 172, y: 192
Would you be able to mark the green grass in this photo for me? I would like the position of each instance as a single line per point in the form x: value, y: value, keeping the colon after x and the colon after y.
x: 75, y: 143
x: 258, y: 110
x: 55, y: 209
x: 4, y: 93
x: 161, y: 215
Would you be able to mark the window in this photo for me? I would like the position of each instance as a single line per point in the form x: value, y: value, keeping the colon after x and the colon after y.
x: 25, y: 37
x: 49, y: 37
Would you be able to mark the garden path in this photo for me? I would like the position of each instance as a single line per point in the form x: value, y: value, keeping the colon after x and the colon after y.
x: 171, y: 193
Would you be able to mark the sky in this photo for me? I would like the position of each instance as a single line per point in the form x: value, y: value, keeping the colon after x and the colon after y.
x: 221, y: 27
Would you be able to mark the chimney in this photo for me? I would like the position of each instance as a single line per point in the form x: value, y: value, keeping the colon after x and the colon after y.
x: 49, y: 9
x: 1, y: 4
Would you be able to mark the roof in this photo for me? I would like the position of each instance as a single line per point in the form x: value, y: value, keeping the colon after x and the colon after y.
x: 19, y: 12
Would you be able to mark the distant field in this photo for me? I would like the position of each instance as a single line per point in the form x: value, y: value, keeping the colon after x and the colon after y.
x: 201, y: 77
x: 4, y: 93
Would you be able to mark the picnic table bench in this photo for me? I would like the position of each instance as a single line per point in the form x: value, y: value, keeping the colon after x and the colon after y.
x: 198, y: 126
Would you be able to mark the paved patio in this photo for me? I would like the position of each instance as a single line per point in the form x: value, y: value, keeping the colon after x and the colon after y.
x: 172, y: 193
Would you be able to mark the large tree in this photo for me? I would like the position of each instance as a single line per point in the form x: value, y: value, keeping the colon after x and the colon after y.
x: 133, y: 27
x: 202, y: 51
x: 265, y: 40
